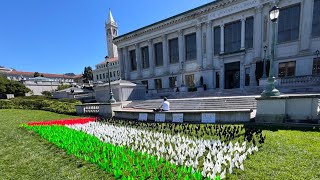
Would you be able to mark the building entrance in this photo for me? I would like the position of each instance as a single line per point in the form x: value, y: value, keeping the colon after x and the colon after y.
x: 232, y: 75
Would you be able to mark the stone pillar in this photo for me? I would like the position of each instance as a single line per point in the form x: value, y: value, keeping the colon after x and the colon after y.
x: 181, y: 45
x: 165, y: 52
x: 243, y: 33
x: 128, y: 64
x: 209, y: 43
x: 221, y: 74
x: 242, y: 72
x: 138, y: 60
x: 306, y: 28
x: 199, y: 45
x: 253, y: 81
x: 121, y: 63
x: 222, y: 39
x: 257, y: 26
x: 151, y: 59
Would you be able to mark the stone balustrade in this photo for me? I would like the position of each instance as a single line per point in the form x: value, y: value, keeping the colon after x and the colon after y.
x: 299, y: 80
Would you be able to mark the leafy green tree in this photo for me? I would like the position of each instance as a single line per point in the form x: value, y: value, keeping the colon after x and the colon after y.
x: 42, y: 75
x: 87, y: 74
x: 63, y: 86
x: 36, y: 74
x: 46, y: 93
x: 12, y: 87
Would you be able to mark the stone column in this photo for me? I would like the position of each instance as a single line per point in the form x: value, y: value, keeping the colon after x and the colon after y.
x: 243, y: 33
x: 221, y: 74
x: 138, y: 60
x: 121, y: 63
x: 253, y: 81
x: 181, y: 45
x: 128, y: 64
x: 165, y: 52
x: 222, y: 39
x: 199, y: 45
x: 306, y: 25
x: 151, y: 59
x: 209, y: 43
x: 257, y: 29
x: 242, y: 72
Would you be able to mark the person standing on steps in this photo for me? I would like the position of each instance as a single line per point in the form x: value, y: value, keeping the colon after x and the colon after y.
x: 165, y: 106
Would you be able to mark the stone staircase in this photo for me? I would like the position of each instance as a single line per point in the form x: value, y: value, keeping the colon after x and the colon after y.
x: 209, y: 103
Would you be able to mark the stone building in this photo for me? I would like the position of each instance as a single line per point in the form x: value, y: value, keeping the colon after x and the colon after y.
x: 224, y: 44
x: 100, y: 74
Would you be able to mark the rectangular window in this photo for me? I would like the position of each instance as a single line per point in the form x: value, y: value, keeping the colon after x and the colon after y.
x: 110, y: 74
x: 316, y: 19
x: 114, y: 74
x: 191, y: 46
x: 316, y: 66
x: 190, y: 80
x: 172, y: 81
x: 100, y: 76
x: 145, y: 57
x: 118, y: 73
x: 217, y: 36
x: 217, y: 80
x: 133, y: 61
x: 104, y: 75
x: 247, y: 80
x: 289, y: 21
x: 249, y: 33
x: 287, y: 69
x: 158, y: 83
x: 145, y: 83
x: 173, y: 51
x: 97, y: 77
x: 158, y: 54
x: 232, y: 37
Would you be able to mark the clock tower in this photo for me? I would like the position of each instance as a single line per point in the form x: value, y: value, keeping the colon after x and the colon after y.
x: 111, y: 32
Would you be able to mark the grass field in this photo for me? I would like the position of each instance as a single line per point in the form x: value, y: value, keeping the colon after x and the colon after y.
x: 286, y: 154
x: 25, y: 155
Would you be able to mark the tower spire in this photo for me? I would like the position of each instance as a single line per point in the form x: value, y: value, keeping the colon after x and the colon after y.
x: 110, y: 19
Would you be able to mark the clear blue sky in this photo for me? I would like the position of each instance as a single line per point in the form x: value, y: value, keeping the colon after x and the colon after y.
x: 61, y: 36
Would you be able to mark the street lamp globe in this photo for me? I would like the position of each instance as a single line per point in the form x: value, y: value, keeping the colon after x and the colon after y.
x: 274, y: 13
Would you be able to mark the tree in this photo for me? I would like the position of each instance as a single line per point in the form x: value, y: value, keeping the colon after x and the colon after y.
x: 87, y: 74
x: 63, y: 86
x: 12, y: 87
x: 42, y: 75
x: 46, y: 93
x: 36, y: 74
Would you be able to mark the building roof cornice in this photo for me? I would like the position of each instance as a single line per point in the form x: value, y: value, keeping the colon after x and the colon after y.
x: 182, y: 17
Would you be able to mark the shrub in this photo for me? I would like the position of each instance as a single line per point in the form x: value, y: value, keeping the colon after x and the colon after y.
x: 40, y: 103
x: 63, y: 86
x: 46, y: 93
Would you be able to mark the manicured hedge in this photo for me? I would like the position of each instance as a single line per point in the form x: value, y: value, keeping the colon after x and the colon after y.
x: 40, y: 103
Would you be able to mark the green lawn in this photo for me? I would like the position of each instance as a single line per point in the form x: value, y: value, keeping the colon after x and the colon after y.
x: 25, y: 155
x: 286, y: 154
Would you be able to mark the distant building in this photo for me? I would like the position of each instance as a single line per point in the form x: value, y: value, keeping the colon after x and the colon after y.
x: 100, y: 74
x: 5, y: 70
x: 21, y: 75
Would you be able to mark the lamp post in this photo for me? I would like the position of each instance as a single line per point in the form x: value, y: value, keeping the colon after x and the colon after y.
x: 111, y: 99
x: 264, y: 73
x: 270, y: 88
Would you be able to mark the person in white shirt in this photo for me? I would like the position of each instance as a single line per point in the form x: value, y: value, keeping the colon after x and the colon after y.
x: 165, y: 106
